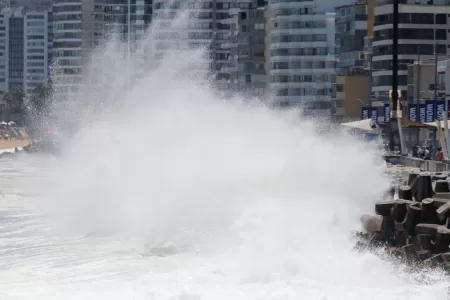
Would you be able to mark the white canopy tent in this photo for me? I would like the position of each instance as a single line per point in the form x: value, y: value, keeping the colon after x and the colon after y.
x: 365, y: 125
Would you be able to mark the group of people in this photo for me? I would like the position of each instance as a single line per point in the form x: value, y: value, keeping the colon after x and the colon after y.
x: 425, y: 153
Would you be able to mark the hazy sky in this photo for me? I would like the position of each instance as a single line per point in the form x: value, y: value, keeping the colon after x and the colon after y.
x: 329, y: 5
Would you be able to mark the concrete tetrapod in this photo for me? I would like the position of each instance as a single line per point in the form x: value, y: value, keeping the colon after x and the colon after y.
x: 441, y: 186
x: 405, y: 193
x: 416, y: 227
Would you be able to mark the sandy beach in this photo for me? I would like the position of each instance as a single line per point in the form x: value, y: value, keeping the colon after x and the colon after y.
x: 13, y: 143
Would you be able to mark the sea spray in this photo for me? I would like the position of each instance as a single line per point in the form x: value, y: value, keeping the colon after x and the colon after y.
x: 176, y: 193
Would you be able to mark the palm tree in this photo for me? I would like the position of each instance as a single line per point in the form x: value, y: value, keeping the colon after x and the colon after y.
x: 40, y: 101
x: 15, y: 104
x: 39, y: 109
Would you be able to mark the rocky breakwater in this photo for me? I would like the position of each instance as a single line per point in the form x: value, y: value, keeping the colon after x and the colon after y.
x: 413, y: 224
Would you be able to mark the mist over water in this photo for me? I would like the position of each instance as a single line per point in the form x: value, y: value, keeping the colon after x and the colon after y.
x: 175, y: 193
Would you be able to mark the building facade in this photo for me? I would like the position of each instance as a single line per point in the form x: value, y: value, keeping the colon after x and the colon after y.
x: 32, y: 5
x: 349, y: 95
x: 351, y: 29
x: 246, y: 68
x: 15, y: 27
x: 302, y: 57
x: 38, y: 47
x: 116, y: 17
x: 423, y: 29
x: 78, y: 28
x: 208, y: 26
x: 116, y: 22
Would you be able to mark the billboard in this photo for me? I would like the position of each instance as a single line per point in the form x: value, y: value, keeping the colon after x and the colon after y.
x: 412, y: 112
x: 422, y: 113
x: 440, y: 106
x: 387, y: 113
x: 374, y: 114
x: 364, y: 113
x: 429, y: 111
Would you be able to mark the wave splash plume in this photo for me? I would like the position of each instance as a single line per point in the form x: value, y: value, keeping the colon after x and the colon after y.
x: 189, y: 196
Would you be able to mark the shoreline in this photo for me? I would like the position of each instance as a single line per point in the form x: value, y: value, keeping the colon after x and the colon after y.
x: 14, y: 143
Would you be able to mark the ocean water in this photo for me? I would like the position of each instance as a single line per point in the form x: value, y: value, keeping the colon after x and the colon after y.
x: 169, y: 192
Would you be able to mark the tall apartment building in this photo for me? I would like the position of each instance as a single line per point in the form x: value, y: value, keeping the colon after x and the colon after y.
x: 207, y: 26
x: 246, y: 68
x: 32, y: 5
x: 351, y: 28
x: 302, y: 57
x: 423, y: 28
x: 15, y: 46
x: 116, y: 22
x: 11, y: 50
x: 116, y: 17
x: 38, y: 45
x: 78, y: 28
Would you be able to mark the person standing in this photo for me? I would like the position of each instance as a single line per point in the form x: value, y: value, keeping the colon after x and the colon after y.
x: 439, y: 154
x: 427, y: 154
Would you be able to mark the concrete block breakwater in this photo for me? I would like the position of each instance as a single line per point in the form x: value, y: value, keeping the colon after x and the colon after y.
x: 415, y: 227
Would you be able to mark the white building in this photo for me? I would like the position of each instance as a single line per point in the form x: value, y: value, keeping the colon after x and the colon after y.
x: 208, y: 25
x: 302, y: 56
x: 78, y: 25
x: 423, y: 28
x: 38, y: 28
x: 116, y: 22
x: 443, y: 69
x: 31, y: 5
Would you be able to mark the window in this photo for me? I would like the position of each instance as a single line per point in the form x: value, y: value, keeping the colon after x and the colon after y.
x: 259, y: 26
x: 441, y: 34
x: 441, y: 19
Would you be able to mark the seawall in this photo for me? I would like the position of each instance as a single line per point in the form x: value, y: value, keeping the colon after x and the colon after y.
x: 423, y: 165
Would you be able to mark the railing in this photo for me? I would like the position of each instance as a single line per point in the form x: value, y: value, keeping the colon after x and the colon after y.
x: 423, y: 165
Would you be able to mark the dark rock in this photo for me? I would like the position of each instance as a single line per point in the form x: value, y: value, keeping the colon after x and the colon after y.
x: 387, y: 230
x: 429, y: 214
x: 443, y: 212
x: 371, y: 223
x: 434, y: 261
x: 413, y: 214
x: 412, y: 177
x: 410, y: 254
x: 423, y: 188
x: 422, y: 242
x: 384, y: 208
x: 399, y: 210
x: 401, y: 238
x: 429, y: 229
x: 423, y: 254
x: 442, y: 240
x: 441, y: 186
x: 442, y: 196
x: 405, y: 193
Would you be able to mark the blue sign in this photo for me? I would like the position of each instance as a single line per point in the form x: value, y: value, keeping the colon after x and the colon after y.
x: 429, y: 111
x: 412, y: 112
x: 374, y: 114
x: 422, y: 113
x: 440, y: 107
x: 364, y: 113
x: 387, y: 113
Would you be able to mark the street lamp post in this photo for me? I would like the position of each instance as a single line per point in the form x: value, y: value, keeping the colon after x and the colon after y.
x: 129, y: 46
